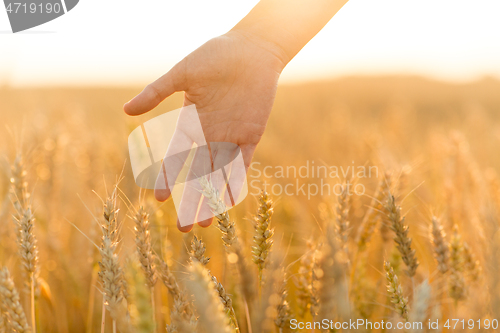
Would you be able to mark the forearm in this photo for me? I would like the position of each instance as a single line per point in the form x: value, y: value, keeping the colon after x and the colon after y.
x: 289, y: 24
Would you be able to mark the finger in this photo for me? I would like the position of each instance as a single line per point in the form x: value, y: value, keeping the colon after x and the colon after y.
x: 188, y: 130
x: 236, y: 172
x: 184, y: 229
x: 247, y: 152
x: 177, y: 153
x: 187, y: 211
x: 206, y: 223
x: 155, y: 92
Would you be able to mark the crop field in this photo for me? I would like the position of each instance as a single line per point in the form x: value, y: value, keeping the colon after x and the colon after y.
x: 373, y: 200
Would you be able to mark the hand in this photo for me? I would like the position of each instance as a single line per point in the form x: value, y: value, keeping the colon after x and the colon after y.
x: 232, y: 81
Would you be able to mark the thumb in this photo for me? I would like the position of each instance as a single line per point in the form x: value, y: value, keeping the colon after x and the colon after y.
x: 156, y: 92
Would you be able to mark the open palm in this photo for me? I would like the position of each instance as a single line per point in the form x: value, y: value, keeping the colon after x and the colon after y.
x: 232, y: 81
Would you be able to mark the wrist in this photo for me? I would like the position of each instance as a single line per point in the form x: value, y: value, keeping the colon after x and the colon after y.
x: 273, y: 48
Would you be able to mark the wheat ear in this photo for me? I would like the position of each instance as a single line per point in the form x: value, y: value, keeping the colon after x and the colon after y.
x: 111, y: 273
x: 197, y: 254
x: 143, y: 243
x: 182, y: 314
x: 208, y: 307
x: 303, y: 280
x: 145, y: 252
x: 198, y: 250
x: 332, y: 282
x: 396, y: 292
x: 471, y: 264
x: 25, y: 221
x: 420, y: 307
x: 263, y: 233
x: 283, y: 310
x: 342, y: 216
x: 403, y: 241
x: 10, y: 304
x: 227, y: 302
x: 440, y: 246
x: 229, y: 237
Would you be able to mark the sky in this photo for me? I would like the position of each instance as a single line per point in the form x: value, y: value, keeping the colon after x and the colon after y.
x: 125, y: 42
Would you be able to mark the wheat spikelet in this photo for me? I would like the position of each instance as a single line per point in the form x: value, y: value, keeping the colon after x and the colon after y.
x: 456, y: 280
x: 143, y: 243
x: 197, y: 252
x: 373, y: 215
x: 396, y: 292
x: 263, y: 234
x: 10, y: 303
x: 420, y: 307
x: 403, y: 242
x: 209, y: 308
x: 440, y: 246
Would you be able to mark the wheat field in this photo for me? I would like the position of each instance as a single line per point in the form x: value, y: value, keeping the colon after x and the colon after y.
x: 83, y: 249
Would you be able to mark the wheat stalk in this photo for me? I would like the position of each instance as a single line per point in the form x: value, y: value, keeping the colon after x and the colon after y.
x: 396, y: 292
x: 263, y: 233
x: 10, y: 303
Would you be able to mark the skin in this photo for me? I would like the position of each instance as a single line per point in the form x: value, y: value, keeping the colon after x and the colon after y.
x: 232, y: 79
